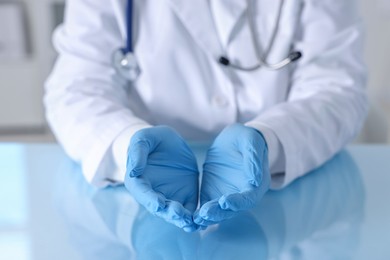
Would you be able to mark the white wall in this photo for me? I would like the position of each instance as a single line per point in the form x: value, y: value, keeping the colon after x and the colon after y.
x: 377, y: 20
x: 376, y: 14
x: 21, y: 80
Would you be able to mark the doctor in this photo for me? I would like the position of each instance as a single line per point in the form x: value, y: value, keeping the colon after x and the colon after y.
x: 276, y: 85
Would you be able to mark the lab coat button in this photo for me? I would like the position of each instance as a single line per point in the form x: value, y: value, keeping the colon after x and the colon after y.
x: 220, y: 101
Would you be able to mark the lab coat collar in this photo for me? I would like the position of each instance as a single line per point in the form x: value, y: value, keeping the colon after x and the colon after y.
x: 226, y: 15
x: 198, y: 19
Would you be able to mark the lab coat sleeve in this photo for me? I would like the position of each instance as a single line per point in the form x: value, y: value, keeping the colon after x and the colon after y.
x: 327, y: 103
x: 85, y: 99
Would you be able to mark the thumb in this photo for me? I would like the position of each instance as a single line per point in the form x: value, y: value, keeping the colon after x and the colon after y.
x: 137, y: 157
x: 239, y: 201
x: 253, y: 166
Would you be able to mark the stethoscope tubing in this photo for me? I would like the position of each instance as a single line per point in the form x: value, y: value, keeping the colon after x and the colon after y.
x: 129, y: 29
x: 133, y: 68
x: 262, y: 60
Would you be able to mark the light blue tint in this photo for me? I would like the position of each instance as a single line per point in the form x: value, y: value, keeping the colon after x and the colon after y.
x: 339, y: 211
x: 374, y: 163
x: 15, y: 245
x: 13, y: 187
x: 317, y: 215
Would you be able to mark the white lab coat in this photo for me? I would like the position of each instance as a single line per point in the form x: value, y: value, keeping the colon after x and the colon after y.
x: 307, y: 111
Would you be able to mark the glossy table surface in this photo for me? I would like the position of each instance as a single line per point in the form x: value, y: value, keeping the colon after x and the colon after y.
x: 48, y: 211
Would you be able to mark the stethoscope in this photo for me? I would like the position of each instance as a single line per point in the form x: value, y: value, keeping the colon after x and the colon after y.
x: 127, y: 66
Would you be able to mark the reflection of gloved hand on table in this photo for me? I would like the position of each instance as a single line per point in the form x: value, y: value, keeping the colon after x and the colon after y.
x: 162, y: 175
x: 235, y: 174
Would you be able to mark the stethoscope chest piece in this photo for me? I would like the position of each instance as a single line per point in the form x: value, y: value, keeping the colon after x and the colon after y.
x: 126, y: 64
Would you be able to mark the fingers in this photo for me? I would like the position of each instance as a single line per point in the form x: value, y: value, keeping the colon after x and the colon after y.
x: 226, y: 207
x: 211, y: 213
x: 238, y: 201
x: 145, y: 195
x: 156, y: 203
x: 177, y: 215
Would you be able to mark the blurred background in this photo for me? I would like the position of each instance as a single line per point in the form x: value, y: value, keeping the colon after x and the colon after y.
x: 26, y: 58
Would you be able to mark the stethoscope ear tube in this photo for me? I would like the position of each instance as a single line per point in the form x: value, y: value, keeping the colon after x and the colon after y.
x: 126, y: 63
x: 292, y: 57
x: 129, y: 29
x: 261, y: 57
x: 124, y: 60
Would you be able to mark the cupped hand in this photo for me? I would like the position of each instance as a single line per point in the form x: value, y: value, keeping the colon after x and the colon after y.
x: 235, y: 175
x: 162, y: 175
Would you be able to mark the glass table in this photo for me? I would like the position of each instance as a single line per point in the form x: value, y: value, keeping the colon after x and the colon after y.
x: 48, y: 211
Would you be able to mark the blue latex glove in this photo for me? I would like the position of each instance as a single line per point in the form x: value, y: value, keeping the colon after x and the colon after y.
x: 235, y: 174
x: 162, y: 175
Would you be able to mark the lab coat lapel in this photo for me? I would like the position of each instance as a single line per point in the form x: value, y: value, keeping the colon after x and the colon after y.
x: 227, y: 13
x: 197, y: 18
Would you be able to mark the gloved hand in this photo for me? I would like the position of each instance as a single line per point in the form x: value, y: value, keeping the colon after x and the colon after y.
x: 235, y: 175
x: 162, y: 175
